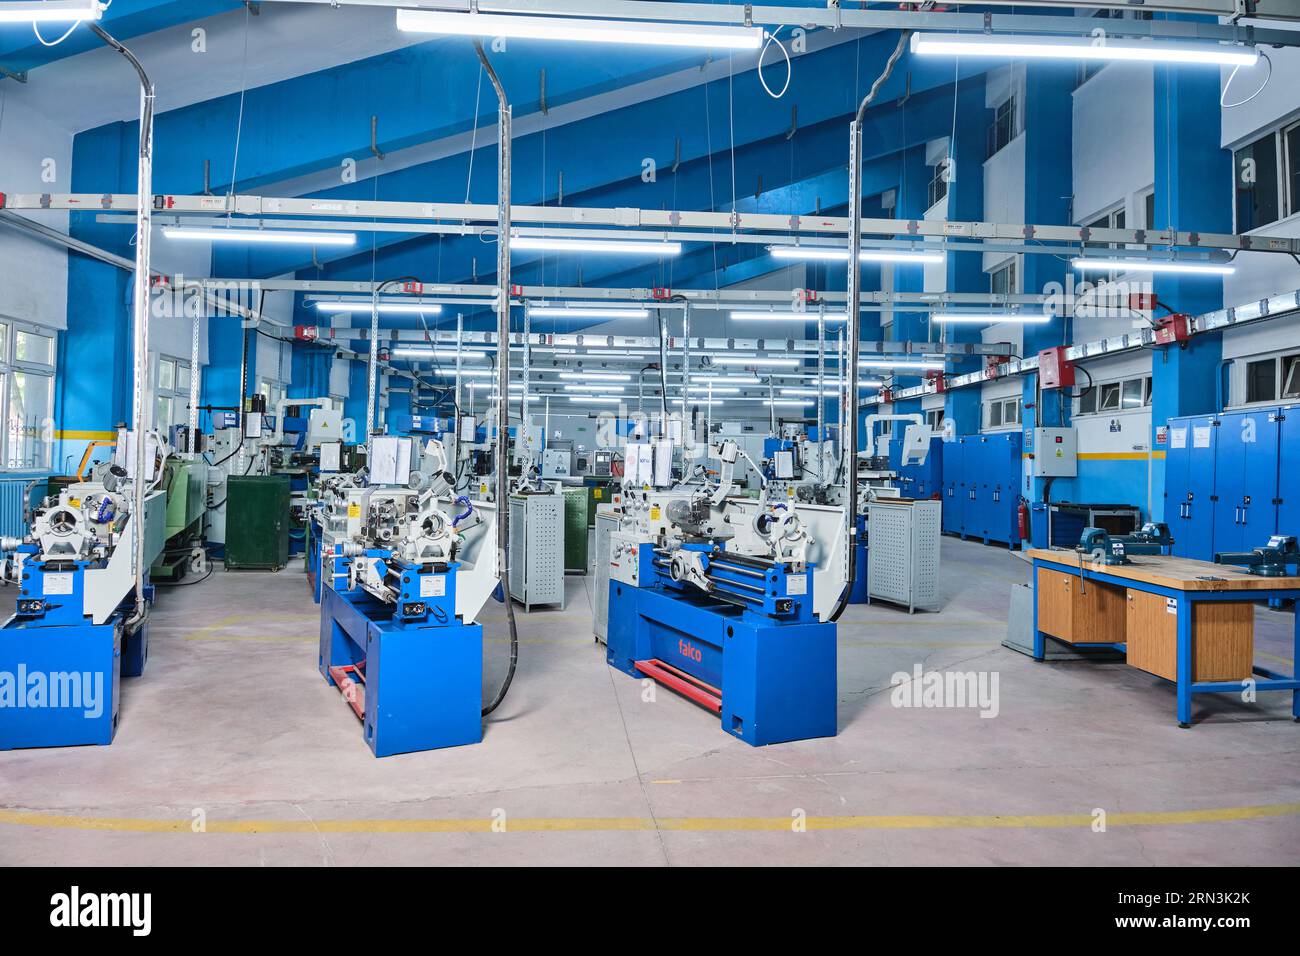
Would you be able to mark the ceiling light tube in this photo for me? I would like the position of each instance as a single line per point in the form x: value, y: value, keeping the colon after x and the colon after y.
x: 899, y: 364
x: 786, y: 316
x: 596, y: 376
x: 393, y: 308
x: 727, y: 379
x: 54, y: 11
x: 262, y: 236
x: 601, y: 399
x: 436, y: 354
x: 754, y: 360
x: 1080, y: 48
x: 1015, y: 318
x: 598, y: 387
x: 542, y: 243
x: 699, y: 36
x: 713, y: 390
x: 555, y: 312
x: 828, y: 254
x: 1147, y: 265
x: 788, y: 401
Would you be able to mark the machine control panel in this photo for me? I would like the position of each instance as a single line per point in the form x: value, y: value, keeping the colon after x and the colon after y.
x: 625, y: 559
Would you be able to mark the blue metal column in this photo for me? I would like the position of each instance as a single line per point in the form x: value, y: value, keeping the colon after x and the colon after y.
x: 1049, y: 176
x: 1191, y: 192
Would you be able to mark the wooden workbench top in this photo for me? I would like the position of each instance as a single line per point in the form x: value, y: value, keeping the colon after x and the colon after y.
x: 1182, y: 574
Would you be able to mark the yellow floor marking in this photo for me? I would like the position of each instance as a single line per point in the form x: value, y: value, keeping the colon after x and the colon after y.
x: 605, y: 824
x: 665, y: 781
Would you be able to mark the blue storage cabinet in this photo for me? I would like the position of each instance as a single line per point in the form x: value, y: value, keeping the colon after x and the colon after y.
x: 1288, y: 471
x: 981, y: 482
x: 1245, y: 479
x: 954, y: 493
x: 1189, y: 485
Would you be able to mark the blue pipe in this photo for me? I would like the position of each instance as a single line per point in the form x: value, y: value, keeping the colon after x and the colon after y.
x: 469, y: 510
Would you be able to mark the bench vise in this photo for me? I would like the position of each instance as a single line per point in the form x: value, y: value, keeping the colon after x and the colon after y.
x: 1271, y: 561
x: 1152, y: 538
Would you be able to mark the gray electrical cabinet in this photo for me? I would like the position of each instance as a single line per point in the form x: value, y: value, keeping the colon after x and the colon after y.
x: 537, y: 549
x: 608, y: 519
x: 903, y: 552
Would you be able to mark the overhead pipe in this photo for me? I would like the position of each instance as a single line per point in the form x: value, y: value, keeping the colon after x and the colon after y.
x: 140, y: 317
x: 503, y: 365
x: 849, y: 410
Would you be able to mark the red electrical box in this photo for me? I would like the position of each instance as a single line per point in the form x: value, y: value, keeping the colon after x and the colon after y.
x: 1173, y: 329
x: 937, y: 378
x: 305, y: 333
x: 1054, y: 369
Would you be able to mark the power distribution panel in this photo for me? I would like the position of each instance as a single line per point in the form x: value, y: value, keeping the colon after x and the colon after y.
x: 1055, y: 453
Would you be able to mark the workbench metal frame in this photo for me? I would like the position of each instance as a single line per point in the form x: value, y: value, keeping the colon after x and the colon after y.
x: 1187, y: 687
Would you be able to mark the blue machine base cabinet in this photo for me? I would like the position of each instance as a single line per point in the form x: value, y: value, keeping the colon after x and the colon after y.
x: 414, y: 687
x: 777, y: 682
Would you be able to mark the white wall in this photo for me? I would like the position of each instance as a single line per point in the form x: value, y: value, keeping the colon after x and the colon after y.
x: 1114, y: 141
x: 38, y: 290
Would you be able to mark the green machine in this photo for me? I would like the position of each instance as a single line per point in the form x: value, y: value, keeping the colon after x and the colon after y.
x: 185, y: 483
x: 575, y: 530
x: 257, y: 522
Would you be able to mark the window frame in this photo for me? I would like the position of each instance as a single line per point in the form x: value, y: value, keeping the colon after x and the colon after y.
x: 1281, y: 184
x: 9, y: 366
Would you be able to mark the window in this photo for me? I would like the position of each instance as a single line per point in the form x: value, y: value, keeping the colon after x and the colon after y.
x: 1087, y: 402
x: 27, y: 395
x: 1149, y: 210
x: 1116, y: 218
x: 1272, y: 379
x: 1003, y: 130
x: 1002, y: 412
x: 934, y: 419
x: 939, y: 183
x: 1132, y: 393
x: 171, y: 393
x: 1292, y: 149
x: 1002, y: 280
x: 1291, y: 376
x: 1258, y: 184
x: 1261, y: 380
x: 1109, y: 399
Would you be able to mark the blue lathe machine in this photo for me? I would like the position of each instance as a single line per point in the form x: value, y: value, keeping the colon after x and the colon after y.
x: 72, y: 637
x: 715, y: 598
x: 398, y: 634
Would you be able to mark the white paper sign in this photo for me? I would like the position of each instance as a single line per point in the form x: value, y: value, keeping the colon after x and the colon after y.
x: 1178, y: 438
x: 1201, y: 436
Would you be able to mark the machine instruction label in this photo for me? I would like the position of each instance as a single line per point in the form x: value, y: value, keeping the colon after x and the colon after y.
x: 796, y: 585
x: 433, y: 586
x: 354, y: 511
x: 58, y: 583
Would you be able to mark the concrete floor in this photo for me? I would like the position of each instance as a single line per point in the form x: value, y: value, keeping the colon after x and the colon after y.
x: 232, y: 726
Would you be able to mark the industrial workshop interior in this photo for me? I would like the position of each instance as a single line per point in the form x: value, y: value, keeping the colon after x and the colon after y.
x: 565, y: 433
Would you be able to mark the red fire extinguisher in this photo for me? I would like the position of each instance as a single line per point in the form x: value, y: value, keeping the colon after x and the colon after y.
x: 1022, y: 519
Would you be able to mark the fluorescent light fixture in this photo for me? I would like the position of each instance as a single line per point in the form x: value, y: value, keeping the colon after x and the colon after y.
x: 701, y: 36
x: 993, y: 318
x: 392, y: 308
x: 754, y: 360
x: 1147, y: 265
x: 595, y: 376
x: 706, y: 401
x: 598, y: 387
x: 828, y: 254
x: 629, y: 246
x: 436, y: 354
x: 803, y: 403
x: 262, y: 236
x: 465, y: 372
x: 787, y: 316
x: 1080, y: 48
x: 900, y: 364
x: 555, y: 312
x: 712, y: 390
x: 55, y: 11
x: 727, y: 379
x: 600, y: 399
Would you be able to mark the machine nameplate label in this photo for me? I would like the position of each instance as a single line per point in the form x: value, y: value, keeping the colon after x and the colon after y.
x: 433, y: 586
x: 1171, y: 605
x: 354, y: 511
x: 796, y: 585
x: 654, y: 512
x: 58, y: 583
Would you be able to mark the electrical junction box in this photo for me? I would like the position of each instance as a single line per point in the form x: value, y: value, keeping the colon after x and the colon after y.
x: 1054, y: 453
x: 1054, y: 369
x: 1173, y: 329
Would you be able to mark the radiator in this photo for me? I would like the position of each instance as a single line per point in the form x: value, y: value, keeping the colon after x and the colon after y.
x: 12, y: 501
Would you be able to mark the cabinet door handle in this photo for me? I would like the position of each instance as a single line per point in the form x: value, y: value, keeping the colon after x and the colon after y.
x: 1243, y: 513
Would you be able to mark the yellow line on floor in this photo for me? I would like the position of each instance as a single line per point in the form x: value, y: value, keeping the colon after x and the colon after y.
x: 605, y: 824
